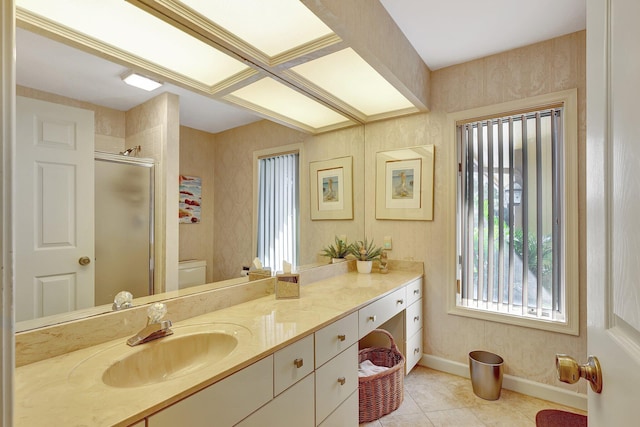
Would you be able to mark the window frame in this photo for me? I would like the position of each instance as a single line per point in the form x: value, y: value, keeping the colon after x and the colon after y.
x: 570, y: 241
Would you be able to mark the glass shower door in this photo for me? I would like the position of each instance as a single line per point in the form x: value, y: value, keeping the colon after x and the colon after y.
x: 123, y: 227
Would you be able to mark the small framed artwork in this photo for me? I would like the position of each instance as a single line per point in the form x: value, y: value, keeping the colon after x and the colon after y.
x: 404, y: 183
x: 331, y: 188
x: 190, y: 199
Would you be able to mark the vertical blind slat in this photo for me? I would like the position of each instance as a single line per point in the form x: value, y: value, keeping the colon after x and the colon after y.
x: 480, y: 213
x: 524, y: 204
x: 556, y: 159
x: 469, y: 213
x: 512, y: 183
x: 490, y: 213
x: 500, y: 214
x: 538, y: 210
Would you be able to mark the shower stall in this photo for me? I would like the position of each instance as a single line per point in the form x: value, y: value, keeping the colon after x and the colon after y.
x: 124, y: 212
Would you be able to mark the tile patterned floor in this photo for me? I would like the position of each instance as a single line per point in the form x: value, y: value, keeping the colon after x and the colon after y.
x: 433, y: 399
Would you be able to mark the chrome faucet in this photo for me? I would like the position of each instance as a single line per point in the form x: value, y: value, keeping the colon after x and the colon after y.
x: 155, y: 328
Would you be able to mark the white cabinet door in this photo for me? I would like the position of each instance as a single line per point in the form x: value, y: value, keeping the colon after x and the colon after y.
x: 346, y: 415
x: 335, y: 381
x: 294, y: 407
x: 54, y: 214
x: 224, y: 403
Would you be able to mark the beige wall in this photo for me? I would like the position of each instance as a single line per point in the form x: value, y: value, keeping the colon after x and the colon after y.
x: 197, y: 159
x: 546, y: 67
x: 154, y: 126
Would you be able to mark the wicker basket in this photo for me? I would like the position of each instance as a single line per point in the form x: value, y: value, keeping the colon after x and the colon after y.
x: 383, y: 392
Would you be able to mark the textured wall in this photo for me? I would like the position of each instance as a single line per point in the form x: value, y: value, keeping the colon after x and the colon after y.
x: 545, y: 67
x: 197, y: 159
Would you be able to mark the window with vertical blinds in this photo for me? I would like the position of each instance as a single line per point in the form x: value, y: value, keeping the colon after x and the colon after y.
x: 510, y: 215
x: 278, y: 195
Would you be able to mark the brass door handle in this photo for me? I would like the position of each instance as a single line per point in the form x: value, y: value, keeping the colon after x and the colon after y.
x: 85, y: 260
x: 569, y: 371
x: 342, y: 337
x: 298, y: 363
x: 342, y: 380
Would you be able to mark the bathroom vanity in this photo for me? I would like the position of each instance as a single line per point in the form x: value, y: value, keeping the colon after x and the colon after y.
x: 281, y: 362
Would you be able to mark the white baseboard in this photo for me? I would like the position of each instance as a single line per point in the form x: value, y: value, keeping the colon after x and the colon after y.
x: 509, y: 382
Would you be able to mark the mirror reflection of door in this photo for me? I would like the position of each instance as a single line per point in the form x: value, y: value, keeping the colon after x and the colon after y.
x: 53, y: 215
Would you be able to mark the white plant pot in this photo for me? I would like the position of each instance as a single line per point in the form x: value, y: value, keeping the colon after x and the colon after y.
x: 364, y: 266
x: 336, y: 260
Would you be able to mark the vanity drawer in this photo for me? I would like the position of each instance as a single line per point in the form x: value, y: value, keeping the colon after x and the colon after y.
x: 378, y: 312
x: 335, y: 381
x: 292, y: 363
x: 413, y: 351
x: 227, y: 401
x: 414, y: 318
x: 346, y: 415
x: 414, y: 291
x: 336, y: 337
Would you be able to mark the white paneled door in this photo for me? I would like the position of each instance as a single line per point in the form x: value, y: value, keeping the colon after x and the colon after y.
x: 53, y: 209
x: 613, y: 208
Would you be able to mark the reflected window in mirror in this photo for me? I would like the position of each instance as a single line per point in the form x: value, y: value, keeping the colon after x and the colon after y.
x: 278, y: 213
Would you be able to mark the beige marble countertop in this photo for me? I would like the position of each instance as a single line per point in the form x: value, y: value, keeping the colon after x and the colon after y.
x: 67, y: 390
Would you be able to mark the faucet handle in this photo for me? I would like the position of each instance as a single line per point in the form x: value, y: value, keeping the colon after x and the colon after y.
x: 122, y: 300
x: 156, y: 312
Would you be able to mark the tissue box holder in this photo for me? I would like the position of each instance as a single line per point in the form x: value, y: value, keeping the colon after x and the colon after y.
x: 287, y: 286
x: 263, y: 273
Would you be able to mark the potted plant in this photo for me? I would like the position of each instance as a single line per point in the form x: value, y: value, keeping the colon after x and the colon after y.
x: 365, y: 254
x: 338, y: 251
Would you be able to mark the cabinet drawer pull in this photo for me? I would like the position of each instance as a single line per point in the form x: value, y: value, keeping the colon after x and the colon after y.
x: 342, y: 380
x: 416, y: 291
x: 342, y: 337
x: 298, y: 363
x: 415, y: 319
x: 400, y: 301
x: 372, y: 318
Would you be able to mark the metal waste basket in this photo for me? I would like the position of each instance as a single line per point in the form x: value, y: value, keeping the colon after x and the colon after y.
x: 486, y: 374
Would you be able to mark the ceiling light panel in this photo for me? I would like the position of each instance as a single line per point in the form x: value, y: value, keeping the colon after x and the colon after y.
x: 268, y: 96
x: 347, y: 76
x: 273, y: 27
x: 137, y: 32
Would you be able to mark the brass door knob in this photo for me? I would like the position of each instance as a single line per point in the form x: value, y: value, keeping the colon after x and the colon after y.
x: 569, y: 371
x: 85, y: 260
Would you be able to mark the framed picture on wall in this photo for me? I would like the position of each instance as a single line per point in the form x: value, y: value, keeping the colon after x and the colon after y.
x: 331, y: 189
x: 404, y: 183
x: 190, y: 199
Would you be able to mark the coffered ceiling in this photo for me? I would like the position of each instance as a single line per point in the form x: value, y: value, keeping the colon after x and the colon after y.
x: 299, y: 63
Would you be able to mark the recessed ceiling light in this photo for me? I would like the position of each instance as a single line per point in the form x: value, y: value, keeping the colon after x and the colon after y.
x: 140, y: 81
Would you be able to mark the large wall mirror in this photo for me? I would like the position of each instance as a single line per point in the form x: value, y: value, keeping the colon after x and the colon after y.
x: 80, y: 79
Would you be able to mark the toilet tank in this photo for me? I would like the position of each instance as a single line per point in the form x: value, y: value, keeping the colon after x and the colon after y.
x: 191, y: 273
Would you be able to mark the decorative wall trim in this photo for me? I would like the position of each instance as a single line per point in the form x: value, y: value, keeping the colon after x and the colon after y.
x: 513, y: 383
